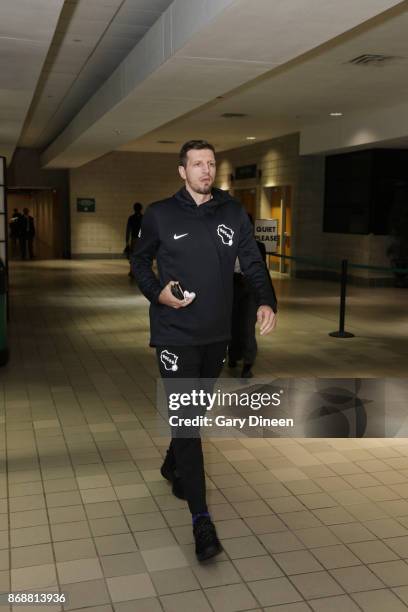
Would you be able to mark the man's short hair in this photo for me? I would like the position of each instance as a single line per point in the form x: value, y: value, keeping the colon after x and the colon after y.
x: 197, y: 145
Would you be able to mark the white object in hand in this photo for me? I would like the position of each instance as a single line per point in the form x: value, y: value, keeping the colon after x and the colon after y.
x: 188, y: 295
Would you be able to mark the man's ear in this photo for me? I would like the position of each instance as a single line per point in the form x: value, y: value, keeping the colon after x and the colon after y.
x: 182, y: 172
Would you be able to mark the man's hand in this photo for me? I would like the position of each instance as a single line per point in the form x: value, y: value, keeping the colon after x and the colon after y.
x: 266, y: 319
x: 167, y: 298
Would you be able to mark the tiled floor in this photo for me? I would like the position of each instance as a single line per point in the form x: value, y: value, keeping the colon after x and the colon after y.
x: 307, y: 524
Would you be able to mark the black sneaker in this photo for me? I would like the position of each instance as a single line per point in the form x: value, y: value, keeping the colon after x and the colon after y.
x: 246, y: 371
x: 170, y: 474
x: 207, y: 544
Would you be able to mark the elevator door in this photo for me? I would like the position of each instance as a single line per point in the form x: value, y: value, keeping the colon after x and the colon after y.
x: 43, y: 208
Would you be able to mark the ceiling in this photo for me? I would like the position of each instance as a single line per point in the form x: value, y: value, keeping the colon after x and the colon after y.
x: 303, y: 91
x: 91, y: 39
x: 81, y: 78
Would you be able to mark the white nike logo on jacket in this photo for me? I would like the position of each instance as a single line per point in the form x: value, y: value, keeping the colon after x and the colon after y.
x: 179, y: 236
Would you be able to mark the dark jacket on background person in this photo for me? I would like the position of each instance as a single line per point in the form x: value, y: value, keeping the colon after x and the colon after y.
x: 197, y: 246
x: 26, y: 226
x: 133, y: 227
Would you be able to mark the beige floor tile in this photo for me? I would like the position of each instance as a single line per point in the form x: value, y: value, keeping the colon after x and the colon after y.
x: 317, y: 584
x: 335, y: 556
x: 86, y: 594
x: 122, y: 564
x: 293, y: 607
x: 26, y: 556
x: 74, y: 549
x: 60, y: 484
x: 147, y: 521
x: 70, y: 531
x: 33, y: 577
x: 316, y: 536
x: 103, y: 510
x: 240, y: 494
x: 398, y: 545
x: 191, y: 600
x: 257, y: 568
x: 373, y: 552
x: 30, y: 536
x: 333, y: 516
x: 150, y: 604
x: 174, y: 581
x: 66, y: 515
x: 115, y: 544
x: 386, y: 528
x: 233, y: 528
x: 285, y: 504
x: 231, y: 598
x: 131, y: 491
x: 297, y: 562
x: 28, y: 518
x: 392, y: 573
x: 341, y: 603
x: 366, y: 512
x: 217, y: 573
x: 252, y: 508
x: 79, y: 570
x: 29, y: 502
x: 138, y: 506
x: 274, y: 592
x: 155, y: 538
x: 248, y: 546
x: 265, y: 524
x: 169, y: 557
x: 4, y: 539
x: 63, y: 499
x: 352, y: 532
x: 4, y: 560
x: 281, y: 542
x: 125, y: 588
x: 300, y: 520
x: 402, y: 593
x: 378, y: 601
x: 356, y: 578
x: 108, y: 526
x: 93, y: 482
x: 101, y: 494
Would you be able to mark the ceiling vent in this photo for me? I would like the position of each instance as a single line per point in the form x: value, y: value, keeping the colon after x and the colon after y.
x: 372, y: 59
x: 233, y: 115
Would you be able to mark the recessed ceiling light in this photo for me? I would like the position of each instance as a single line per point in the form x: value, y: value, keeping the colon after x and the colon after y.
x: 336, y: 114
x: 251, y: 138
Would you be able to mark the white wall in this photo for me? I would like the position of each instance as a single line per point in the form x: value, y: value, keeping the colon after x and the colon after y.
x: 116, y: 181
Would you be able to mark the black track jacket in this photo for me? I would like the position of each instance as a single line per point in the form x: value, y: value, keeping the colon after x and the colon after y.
x: 197, y: 246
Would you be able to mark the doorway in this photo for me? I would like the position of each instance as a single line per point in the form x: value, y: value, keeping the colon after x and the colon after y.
x: 247, y: 197
x: 280, y: 203
x: 43, y: 207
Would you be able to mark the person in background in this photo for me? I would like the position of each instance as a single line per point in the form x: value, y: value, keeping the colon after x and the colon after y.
x: 132, y: 231
x: 14, y: 227
x: 26, y: 234
x: 243, y: 343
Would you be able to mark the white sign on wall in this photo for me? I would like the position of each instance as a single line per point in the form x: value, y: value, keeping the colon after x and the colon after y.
x: 266, y: 231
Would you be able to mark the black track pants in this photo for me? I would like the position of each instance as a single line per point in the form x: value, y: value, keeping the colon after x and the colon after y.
x: 185, y: 453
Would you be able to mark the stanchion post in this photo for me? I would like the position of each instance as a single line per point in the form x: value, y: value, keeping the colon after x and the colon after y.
x: 343, y: 286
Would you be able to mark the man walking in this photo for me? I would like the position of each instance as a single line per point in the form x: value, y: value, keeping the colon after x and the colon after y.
x: 196, y: 236
x: 26, y: 234
x: 132, y: 231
